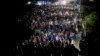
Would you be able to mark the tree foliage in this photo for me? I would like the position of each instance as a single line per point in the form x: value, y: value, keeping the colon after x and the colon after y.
x: 89, y: 20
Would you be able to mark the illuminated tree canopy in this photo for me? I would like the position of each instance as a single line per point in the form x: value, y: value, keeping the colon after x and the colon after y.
x: 89, y: 20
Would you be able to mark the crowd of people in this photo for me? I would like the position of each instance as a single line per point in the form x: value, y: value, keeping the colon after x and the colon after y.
x: 54, y: 30
x: 55, y: 24
x: 31, y: 49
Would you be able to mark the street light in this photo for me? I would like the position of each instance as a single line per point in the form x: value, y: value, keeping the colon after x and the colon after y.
x: 39, y: 3
x: 91, y: 0
x: 29, y: 2
x: 63, y: 2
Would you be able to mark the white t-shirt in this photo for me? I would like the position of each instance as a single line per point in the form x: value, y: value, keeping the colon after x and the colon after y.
x: 57, y: 38
x: 76, y: 29
x: 66, y: 13
x: 45, y: 34
x: 68, y: 22
x: 72, y: 42
x: 50, y: 22
x: 75, y: 20
x: 33, y: 21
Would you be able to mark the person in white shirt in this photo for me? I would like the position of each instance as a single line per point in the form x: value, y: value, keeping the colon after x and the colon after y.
x: 76, y: 27
x: 50, y: 22
x: 57, y: 38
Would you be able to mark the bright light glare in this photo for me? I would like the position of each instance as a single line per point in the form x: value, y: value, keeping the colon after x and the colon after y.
x: 39, y: 3
x: 63, y: 2
x: 28, y: 2
x: 91, y: 0
x: 60, y: 2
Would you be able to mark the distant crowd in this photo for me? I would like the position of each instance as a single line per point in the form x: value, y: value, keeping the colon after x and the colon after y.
x: 54, y: 29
